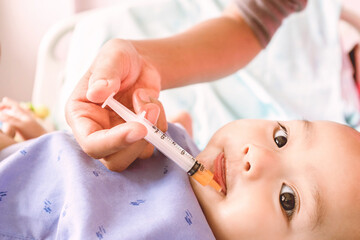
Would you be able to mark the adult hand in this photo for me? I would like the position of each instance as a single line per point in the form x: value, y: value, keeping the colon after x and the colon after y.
x: 100, y: 132
x: 119, y: 68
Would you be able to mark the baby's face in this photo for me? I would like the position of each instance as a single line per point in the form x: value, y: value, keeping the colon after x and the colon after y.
x: 288, y: 180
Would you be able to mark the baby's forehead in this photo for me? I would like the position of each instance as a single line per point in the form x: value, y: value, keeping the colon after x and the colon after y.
x: 339, y: 130
x: 344, y: 142
x: 347, y: 145
x: 352, y: 141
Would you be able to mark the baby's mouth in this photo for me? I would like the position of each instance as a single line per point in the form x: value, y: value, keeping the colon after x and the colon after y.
x: 220, y: 171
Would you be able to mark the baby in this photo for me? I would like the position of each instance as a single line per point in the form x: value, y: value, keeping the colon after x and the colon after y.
x: 281, y: 180
x: 288, y: 180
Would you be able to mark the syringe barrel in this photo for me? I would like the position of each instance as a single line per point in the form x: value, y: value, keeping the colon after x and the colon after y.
x: 170, y: 148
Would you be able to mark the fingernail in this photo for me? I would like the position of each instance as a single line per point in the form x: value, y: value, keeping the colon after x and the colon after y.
x: 152, y: 115
x: 98, y: 83
x: 142, y: 94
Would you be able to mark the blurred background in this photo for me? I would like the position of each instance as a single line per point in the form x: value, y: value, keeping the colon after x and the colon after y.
x: 24, y: 23
x: 22, y: 26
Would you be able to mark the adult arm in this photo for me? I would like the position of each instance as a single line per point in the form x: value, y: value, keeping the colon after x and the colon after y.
x: 220, y: 46
x: 351, y: 17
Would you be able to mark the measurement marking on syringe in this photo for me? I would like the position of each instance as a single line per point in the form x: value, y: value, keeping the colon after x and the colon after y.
x: 165, y: 137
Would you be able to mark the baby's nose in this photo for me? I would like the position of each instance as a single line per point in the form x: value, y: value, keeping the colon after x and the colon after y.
x: 259, y: 161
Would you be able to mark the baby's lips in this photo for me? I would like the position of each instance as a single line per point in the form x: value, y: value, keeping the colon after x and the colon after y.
x: 219, y: 171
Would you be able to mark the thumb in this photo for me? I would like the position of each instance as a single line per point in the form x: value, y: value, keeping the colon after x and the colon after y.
x: 105, y: 73
x: 116, y: 62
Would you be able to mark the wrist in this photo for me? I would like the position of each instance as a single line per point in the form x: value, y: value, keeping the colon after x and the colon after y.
x: 152, y: 56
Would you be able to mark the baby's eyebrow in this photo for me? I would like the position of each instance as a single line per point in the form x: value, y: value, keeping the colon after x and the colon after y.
x: 306, y: 122
x: 318, y: 216
x: 307, y: 127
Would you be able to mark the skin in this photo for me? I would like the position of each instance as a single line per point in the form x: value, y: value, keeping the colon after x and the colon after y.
x: 5, y: 140
x: 322, y: 155
x: 350, y: 16
x: 17, y: 119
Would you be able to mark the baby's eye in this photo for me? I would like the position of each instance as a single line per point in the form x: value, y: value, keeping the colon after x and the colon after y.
x: 281, y: 136
x: 287, y: 200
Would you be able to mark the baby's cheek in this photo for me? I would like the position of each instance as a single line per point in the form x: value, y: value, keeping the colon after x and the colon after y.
x: 251, y: 214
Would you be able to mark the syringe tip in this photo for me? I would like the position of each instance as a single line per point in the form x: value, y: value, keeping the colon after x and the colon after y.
x: 205, y: 177
x: 215, y: 185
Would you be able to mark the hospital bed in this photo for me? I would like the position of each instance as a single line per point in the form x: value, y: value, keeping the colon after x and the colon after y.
x: 299, y: 75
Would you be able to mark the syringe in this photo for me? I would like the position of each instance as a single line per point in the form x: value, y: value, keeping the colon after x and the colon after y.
x: 166, y: 145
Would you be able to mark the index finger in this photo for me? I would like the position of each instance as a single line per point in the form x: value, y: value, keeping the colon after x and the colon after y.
x: 100, y: 134
x: 103, y: 143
